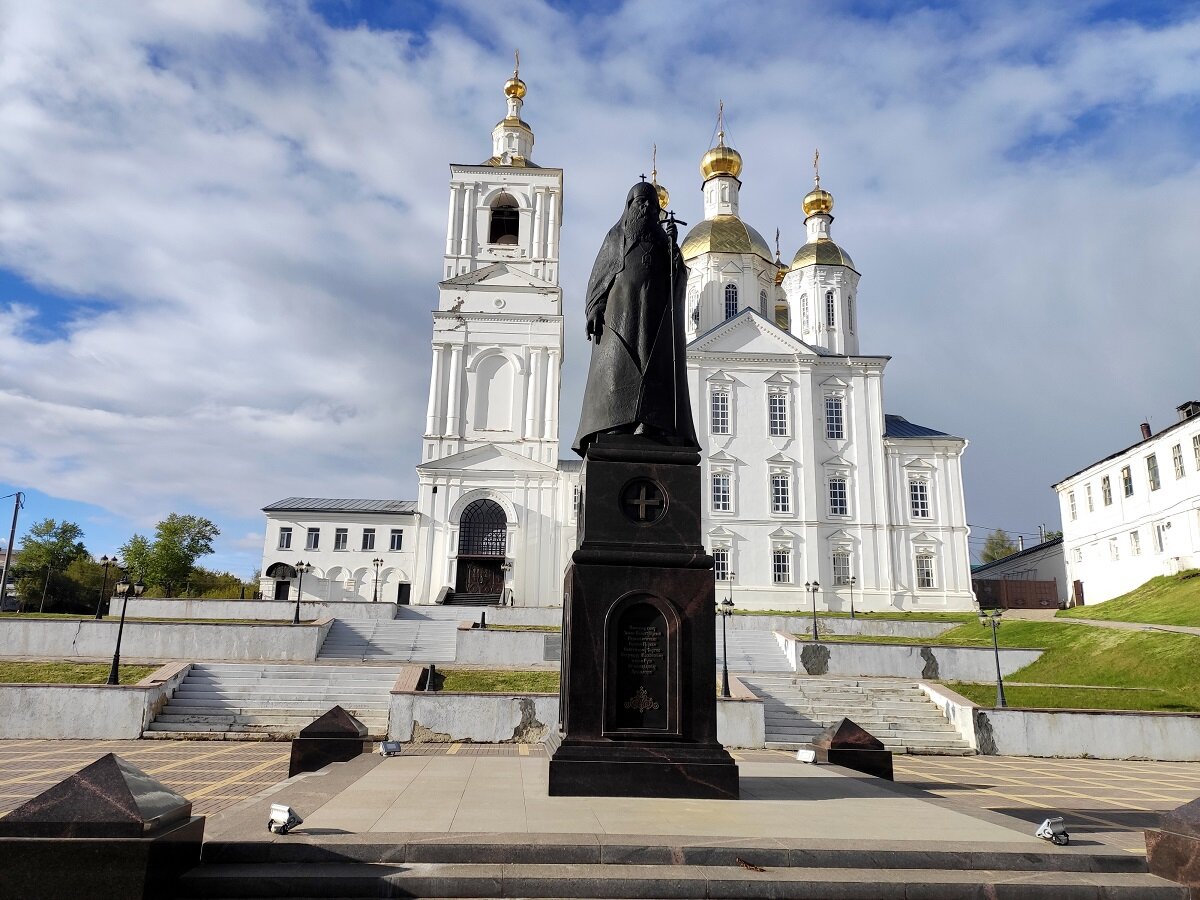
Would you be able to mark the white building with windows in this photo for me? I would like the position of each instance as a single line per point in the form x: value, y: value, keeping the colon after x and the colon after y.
x: 807, y: 479
x: 1135, y: 514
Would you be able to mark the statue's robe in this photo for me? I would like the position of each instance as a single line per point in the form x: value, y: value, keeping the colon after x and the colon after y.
x: 638, y: 372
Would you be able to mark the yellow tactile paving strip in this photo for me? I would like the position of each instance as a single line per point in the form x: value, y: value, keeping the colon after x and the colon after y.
x: 213, y: 775
x: 1107, y: 800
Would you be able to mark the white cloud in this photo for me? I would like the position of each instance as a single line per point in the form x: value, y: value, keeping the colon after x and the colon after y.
x: 262, y: 200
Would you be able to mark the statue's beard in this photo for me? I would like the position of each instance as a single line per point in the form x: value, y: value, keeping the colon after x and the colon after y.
x: 637, y: 225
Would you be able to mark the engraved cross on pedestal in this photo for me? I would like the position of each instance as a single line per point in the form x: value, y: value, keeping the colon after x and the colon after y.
x: 644, y: 501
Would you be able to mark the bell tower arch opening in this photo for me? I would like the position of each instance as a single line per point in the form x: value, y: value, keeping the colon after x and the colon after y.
x: 482, y: 547
x: 505, y: 224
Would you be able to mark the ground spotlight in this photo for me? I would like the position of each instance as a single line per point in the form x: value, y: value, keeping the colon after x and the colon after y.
x: 390, y: 748
x: 283, y: 819
x: 1055, y: 830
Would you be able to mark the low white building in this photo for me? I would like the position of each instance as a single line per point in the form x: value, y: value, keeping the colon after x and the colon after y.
x: 1135, y: 514
x: 806, y: 479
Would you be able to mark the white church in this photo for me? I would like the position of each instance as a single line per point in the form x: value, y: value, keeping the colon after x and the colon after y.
x: 812, y: 490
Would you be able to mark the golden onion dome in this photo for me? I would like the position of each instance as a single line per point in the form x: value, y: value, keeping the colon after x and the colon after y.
x: 721, y: 160
x: 724, y: 234
x: 818, y: 200
x: 664, y: 196
x: 514, y: 87
x: 780, y: 273
x: 822, y: 252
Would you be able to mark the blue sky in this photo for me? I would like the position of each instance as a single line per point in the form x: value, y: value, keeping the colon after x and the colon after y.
x: 220, y: 223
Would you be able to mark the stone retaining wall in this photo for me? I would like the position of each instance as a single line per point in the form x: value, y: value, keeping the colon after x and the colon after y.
x: 901, y: 660
x: 267, y: 610
x: 800, y: 624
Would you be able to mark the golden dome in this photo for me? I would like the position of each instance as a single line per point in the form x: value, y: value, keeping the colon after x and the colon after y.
x: 514, y: 87
x: 818, y: 201
x: 780, y: 273
x: 721, y: 160
x: 822, y: 252
x: 724, y: 234
x: 664, y: 197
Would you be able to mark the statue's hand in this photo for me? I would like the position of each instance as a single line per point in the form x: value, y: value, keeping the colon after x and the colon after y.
x: 672, y: 231
x: 595, y: 324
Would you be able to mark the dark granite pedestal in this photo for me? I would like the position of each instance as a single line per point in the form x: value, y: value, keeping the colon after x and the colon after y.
x: 108, y: 832
x: 1173, y: 849
x: 637, y: 701
x: 849, y: 744
x: 336, y: 736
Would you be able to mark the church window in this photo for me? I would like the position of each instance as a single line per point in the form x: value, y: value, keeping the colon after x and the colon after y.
x: 781, y: 565
x: 850, y: 314
x: 1177, y: 459
x: 777, y: 413
x: 1077, y: 555
x: 1114, y: 552
x: 803, y: 312
x: 781, y: 316
x: 1071, y: 503
x: 841, y: 566
x: 397, y: 542
x: 721, y: 500
x: 505, y: 223
x: 1087, y: 492
x: 313, y: 541
x: 835, y: 427
x: 1152, y: 472
x: 341, y: 537
x: 1160, y: 538
x: 762, y: 302
x: 368, y: 541
x: 918, y: 498
x: 721, y: 563
x: 720, y: 412
x: 1196, y: 450
x: 483, y: 529
x: 1106, y: 490
x: 731, y: 301
x: 1135, y: 543
x: 781, y: 493
x: 839, y: 498
x: 285, y: 539
x: 925, y: 579
x: 830, y: 310
x: 1127, y: 480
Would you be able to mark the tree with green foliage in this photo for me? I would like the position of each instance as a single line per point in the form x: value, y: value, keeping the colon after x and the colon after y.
x: 46, y: 550
x: 166, y: 562
x: 997, y: 546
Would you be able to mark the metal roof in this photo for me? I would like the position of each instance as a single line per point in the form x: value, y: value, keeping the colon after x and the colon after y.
x: 1036, y: 548
x: 570, y: 465
x: 900, y: 427
x: 323, y: 504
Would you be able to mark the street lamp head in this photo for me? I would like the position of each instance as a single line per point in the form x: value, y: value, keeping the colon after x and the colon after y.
x: 139, y: 588
x: 121, y: 588
x: 303, y: 568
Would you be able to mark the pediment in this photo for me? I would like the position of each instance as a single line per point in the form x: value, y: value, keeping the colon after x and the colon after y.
x: 925, y: 537
x: 837, y: 462
x: 731, y: 268
x: 721, y: 532
x: 839, y: 536
x: 498, y: 275
x: 721, y: 377
x: 487, y: 459
x: 920, y: 465
x: 780, y: 378
x: 835, y: 382
x: 722, y: 457
x: 782, y: 534
x: 780, y: 459
x: 749, y: 333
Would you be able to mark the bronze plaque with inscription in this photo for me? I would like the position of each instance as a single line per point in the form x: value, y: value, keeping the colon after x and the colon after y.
x: 641, y: 698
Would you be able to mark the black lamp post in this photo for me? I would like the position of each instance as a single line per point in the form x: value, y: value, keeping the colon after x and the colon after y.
x: 852, y: 581
x: 993, y: 619
x: 377, y: 562
x: 726, y: 612
x: 123, y: 589
x: 301, y: 569
x: 812, y: 587
x: 105, y: 561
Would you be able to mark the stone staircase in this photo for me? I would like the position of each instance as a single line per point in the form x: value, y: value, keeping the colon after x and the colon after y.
x: 271, y: 702
x: 391, y: 641
x: 465, y: 599
x: 798, y: 707
x: 753, y: 651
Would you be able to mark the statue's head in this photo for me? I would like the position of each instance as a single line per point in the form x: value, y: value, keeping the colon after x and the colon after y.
x: 644, y: 195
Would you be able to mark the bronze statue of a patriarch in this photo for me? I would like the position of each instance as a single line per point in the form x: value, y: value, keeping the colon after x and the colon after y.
x: 637, y: 380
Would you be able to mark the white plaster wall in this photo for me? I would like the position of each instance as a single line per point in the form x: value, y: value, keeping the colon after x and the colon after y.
x: 87, y: 638
x: 828, y: 625
x: 475, y: 718
x: 1100, y: 735
x: 153, y: 608
x: 506, y: 649
x: 1088, y: 537
x: 958, y: 710
x: 906, y: 661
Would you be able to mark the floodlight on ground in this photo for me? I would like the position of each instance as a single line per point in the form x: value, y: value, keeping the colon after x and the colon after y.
x: 283, y: 819
x: 807, y: 756
x: 390, y: 748
x: 1054, y: 830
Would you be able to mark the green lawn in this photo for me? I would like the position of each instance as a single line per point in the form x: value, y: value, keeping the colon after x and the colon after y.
x: 67, y: 673
x: 546, y: 628
x: 495, y: 681
x: 1037, y: 696
x: 1165, y: 600
x: 884, y: 616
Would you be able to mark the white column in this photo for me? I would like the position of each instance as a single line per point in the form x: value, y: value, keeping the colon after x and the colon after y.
x: 435, y: 391
x: 531, y: 392
x: 535, y: 247
x: 539, y: 404
x: 452, y: 220
x: 453, y: 418
x: 465, y: 229
x: 551, y: 404
x: 552, y: 225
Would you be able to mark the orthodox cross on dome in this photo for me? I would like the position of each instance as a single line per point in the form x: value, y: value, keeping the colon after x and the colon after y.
x: 516, y: 63
x: 720, y: 123
x: 776, y: 246
x: 817, y: 167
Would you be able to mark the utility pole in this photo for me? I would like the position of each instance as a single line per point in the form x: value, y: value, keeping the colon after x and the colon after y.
x: 18, y: 502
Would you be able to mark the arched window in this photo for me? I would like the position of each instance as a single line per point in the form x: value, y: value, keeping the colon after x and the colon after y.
x: 762, y: 302
x: 841, y: 566
x: 830, y: 310
x: 482, y: 529
x: 506, y: 220
x: 850, y: 314
x: 731, y: 301
x: 803, y: 313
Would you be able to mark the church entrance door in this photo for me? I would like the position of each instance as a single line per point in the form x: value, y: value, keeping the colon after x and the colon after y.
x: 482, y: 546
x: 479, y: 576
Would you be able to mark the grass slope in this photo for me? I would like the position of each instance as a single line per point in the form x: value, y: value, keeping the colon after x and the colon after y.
x: 1165, y: 600
x: 495, y: 681
x: 67, y: 673
x: 1047, y: 697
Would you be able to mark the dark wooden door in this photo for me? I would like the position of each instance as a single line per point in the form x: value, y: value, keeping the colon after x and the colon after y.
x: 281, y: 589
x: 479, y: 576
